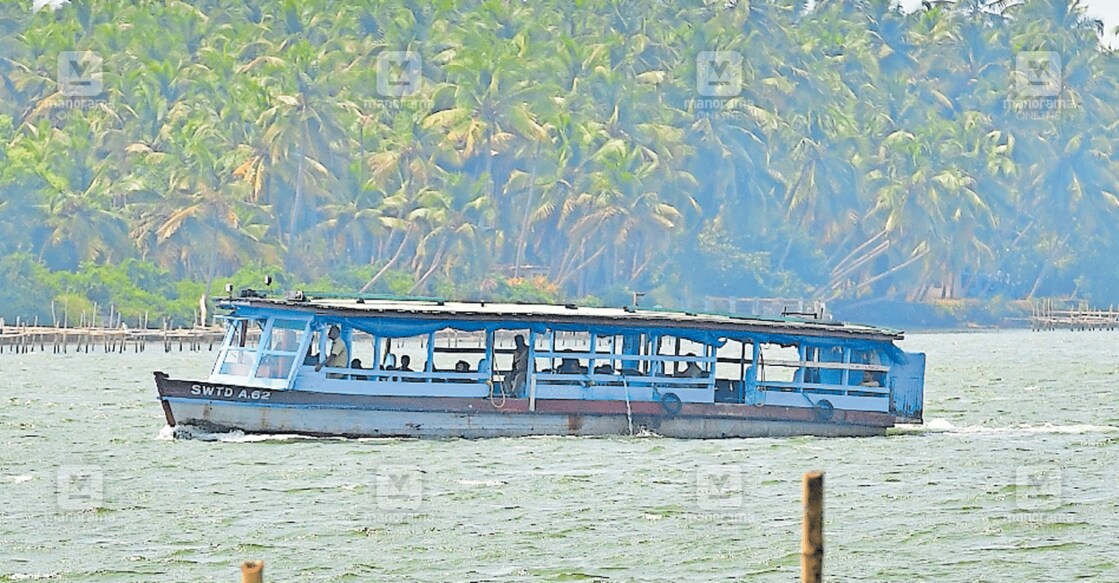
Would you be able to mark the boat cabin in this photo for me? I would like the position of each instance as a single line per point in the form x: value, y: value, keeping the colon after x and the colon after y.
x: 535, y: 352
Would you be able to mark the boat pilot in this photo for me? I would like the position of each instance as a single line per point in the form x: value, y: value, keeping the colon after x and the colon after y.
x: 520, y: 366
x: 339, y: 354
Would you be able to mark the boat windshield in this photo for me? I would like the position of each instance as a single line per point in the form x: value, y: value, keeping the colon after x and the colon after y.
x: 262, y: 349
x: 280, y: 352
x: 238, y: 352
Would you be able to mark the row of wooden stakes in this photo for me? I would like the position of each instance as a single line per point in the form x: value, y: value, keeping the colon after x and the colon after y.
x: 61, y: 340
x: 1048, y: 315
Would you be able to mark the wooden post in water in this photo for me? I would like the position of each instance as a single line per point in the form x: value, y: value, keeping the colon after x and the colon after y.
x: 812, y: 542
x: 252, y: 572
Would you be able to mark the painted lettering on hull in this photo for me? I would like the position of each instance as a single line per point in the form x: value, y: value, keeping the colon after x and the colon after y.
x: 230, y: 393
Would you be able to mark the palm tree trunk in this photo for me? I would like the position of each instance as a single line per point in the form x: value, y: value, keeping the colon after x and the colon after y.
x: 435, y: 262
x: 528, y: 208
x: 891, y: 271
x: 387, y: 266
x: 581, y: 266
x: 1037, y: 282
x: 297, y: 204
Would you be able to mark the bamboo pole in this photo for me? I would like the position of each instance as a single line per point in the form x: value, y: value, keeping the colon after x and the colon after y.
x: 252, y: 572
x: 812, y: 542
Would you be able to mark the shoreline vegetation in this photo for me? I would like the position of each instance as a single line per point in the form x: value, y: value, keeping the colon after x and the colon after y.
x: 141, y: 297
x: 925, y: 168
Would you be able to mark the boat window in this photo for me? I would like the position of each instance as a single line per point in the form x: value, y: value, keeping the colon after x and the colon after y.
x: 867, y: 369
x: 606, y: 346
x: 361, y: 350
x: 407, y: 354
x: 286, y: 336
x: 828, y: 374
x: 281, y: 349
x: 244, y: 333
x: 239, y: 349
x: 733, y: 358
x: 563, y: 352
x: 685, y: 357
x: 633, y: 344
x: 778, y: 363
x: 459, y: 351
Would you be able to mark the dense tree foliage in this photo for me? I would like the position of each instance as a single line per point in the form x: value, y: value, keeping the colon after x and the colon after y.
x: 464, y: 148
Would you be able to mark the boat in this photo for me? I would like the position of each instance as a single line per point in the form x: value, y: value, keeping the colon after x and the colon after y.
x: 326, y: 365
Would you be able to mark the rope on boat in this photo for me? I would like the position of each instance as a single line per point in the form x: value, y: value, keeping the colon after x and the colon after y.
x: 629, y: 408
x: 493, y: 401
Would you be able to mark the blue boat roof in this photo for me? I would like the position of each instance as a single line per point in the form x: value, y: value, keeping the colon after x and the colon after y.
x: 569, y: 315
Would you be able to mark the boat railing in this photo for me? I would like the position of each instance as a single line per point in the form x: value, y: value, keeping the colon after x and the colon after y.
x: 609, y: 356
x: 592, y: 379
x: 825, y: 388
x: 854, y: 366
x: 436, y: 376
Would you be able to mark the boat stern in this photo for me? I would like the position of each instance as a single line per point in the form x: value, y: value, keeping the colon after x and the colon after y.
x: 907, y: 388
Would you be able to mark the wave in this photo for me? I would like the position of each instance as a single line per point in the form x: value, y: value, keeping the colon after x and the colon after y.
x: 190, y: 432
x: 32, y: 576
x: 940, y: 425
x: 489, y: 483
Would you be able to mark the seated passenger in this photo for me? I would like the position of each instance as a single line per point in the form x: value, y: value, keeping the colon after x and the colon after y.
x: 462, y: 366
x: 568, y: 366
x: 692, y: 371
x: 405, y: 364
x: 356, y: 363
x: 604, y: 369
x: 870, y: 380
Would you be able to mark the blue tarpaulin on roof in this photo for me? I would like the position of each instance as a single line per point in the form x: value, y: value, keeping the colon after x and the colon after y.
x: 406, y: 327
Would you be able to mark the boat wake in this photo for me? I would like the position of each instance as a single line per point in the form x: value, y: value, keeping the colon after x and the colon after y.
x: 940, y: 425
x: 190, y: 432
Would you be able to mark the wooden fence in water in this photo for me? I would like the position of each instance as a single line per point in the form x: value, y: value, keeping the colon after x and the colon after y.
x: 23, y: 339
x: 1052, y: 315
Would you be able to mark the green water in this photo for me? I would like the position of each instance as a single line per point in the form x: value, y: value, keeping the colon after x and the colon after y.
x: 1013, y: 478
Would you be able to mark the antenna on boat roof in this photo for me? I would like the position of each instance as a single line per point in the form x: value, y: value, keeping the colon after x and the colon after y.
x: 637, y: 297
